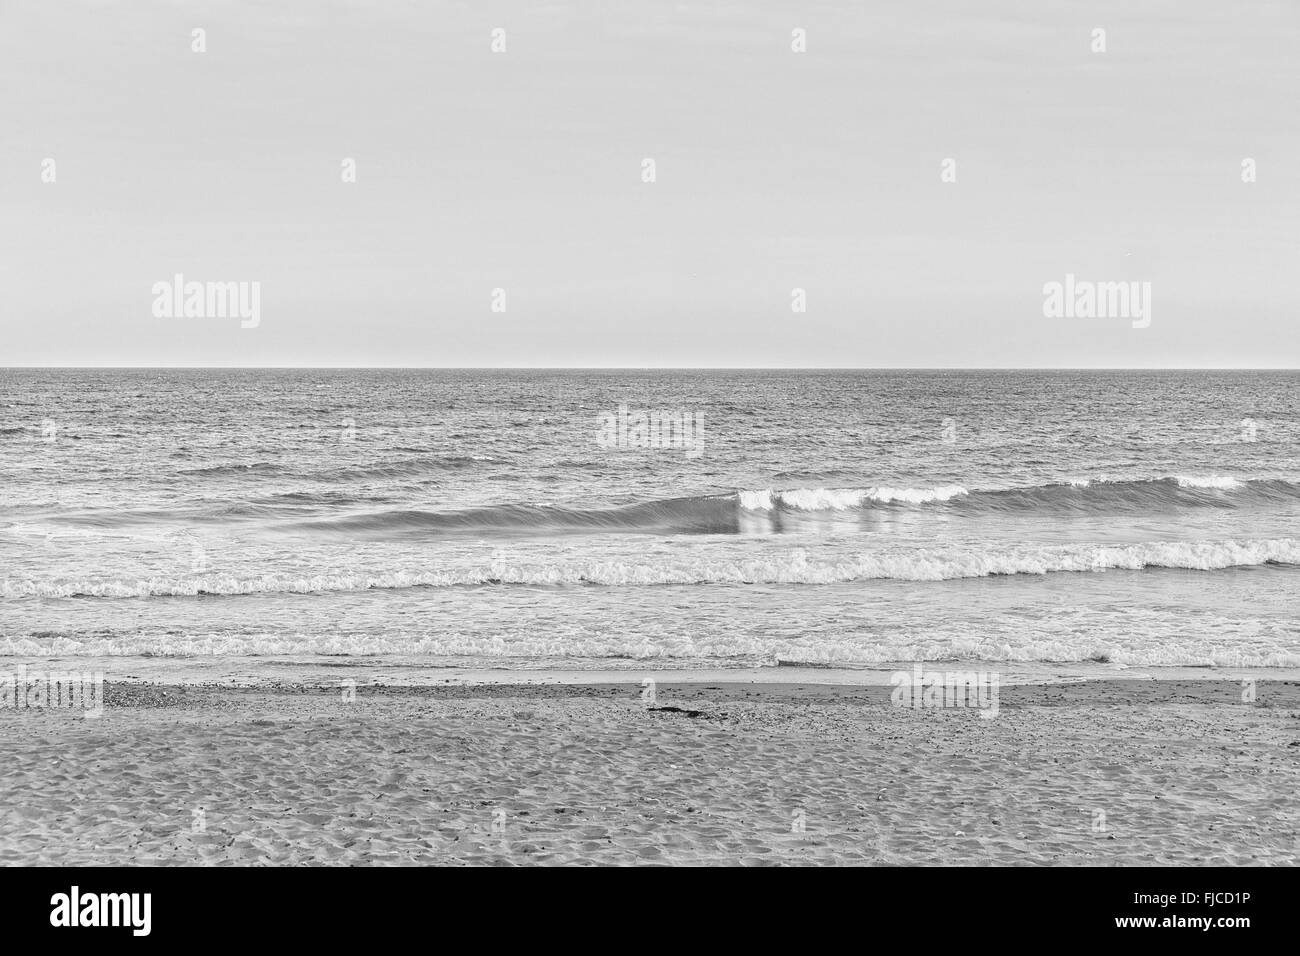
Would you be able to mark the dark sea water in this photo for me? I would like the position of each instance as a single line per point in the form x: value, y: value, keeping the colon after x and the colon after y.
x: 484, y: 517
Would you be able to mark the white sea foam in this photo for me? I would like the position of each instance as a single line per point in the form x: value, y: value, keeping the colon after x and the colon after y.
x: 918, y: 495
x: 1208, y: 481
x: 822, y: 499
x: 841, y: 499
x: 793, y: 567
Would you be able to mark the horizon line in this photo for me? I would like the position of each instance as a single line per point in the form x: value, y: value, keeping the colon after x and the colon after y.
x: 673, y: 368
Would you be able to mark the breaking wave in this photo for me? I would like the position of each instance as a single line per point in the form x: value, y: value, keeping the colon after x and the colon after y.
x: 727, y: 513
x: 791, y: 567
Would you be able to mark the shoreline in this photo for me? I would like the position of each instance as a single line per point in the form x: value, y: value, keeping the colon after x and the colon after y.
x: 237, y: 671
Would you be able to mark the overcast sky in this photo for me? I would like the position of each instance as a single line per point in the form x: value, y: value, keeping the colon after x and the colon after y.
x: 775, y: 170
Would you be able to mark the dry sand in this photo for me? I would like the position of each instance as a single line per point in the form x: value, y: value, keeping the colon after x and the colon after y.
x: 738, y: 773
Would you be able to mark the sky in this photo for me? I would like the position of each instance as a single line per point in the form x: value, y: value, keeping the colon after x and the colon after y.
x: 774, y: 170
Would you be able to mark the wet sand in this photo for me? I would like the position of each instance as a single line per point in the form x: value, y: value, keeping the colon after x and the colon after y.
x: 1095, y: 772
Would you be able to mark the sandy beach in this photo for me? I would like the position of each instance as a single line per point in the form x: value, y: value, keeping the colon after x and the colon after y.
x: 1095, y: 772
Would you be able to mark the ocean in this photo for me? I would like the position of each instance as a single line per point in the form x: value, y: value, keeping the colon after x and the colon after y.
x: 585, y: 519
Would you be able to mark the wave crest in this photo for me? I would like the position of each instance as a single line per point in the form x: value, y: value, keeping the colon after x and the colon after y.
x: 793, y: 567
